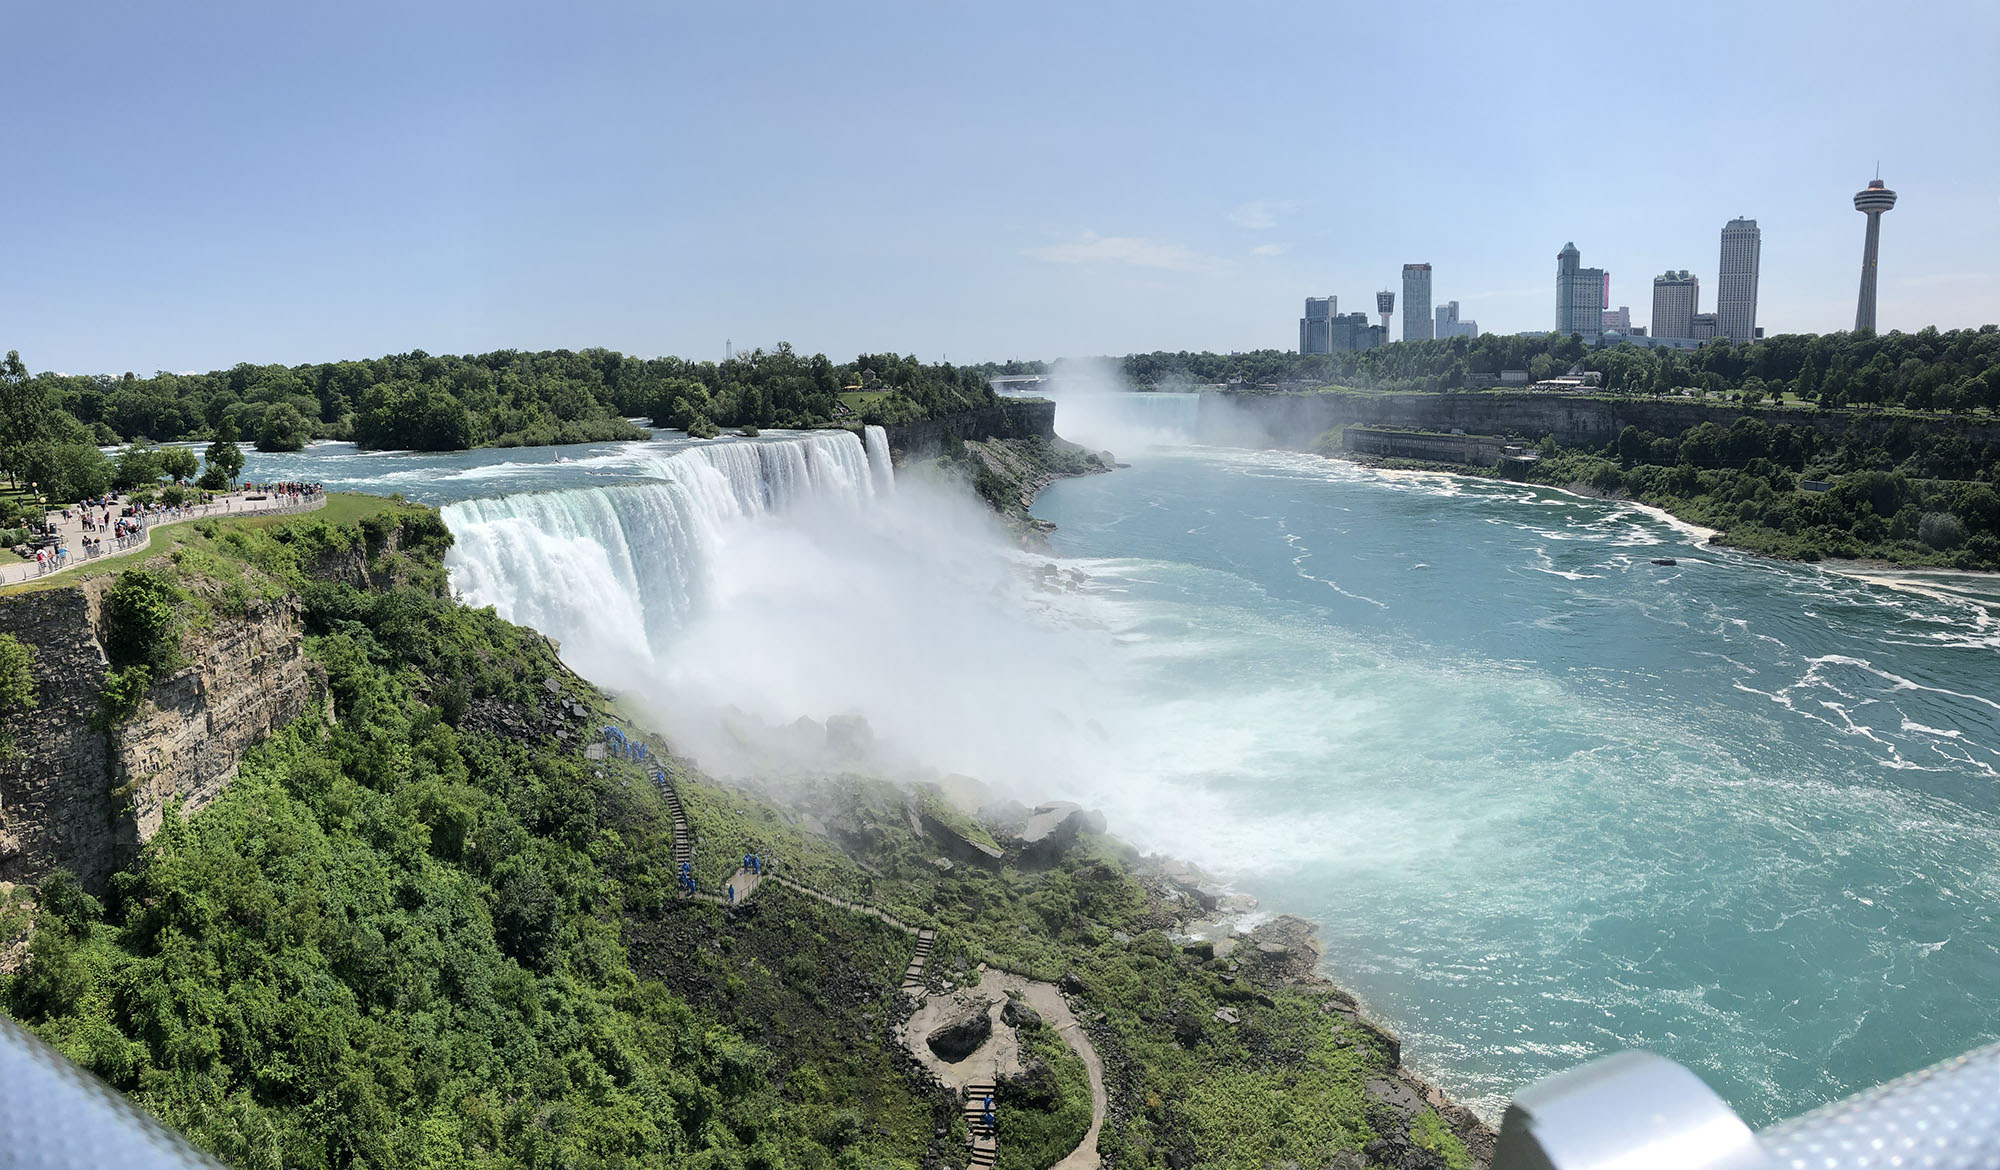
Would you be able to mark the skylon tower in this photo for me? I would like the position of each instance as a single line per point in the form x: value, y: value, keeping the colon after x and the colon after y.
x: 1871, y: 201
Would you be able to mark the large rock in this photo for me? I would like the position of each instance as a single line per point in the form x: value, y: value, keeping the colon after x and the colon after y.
x: 955, y: 843
x: 961, y: 1035
x: 1033, y: 1086
x: 1019, y: 1015
x: 1052, y: 828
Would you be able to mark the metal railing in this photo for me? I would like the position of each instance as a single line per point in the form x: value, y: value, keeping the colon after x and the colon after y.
x: 146, y: 522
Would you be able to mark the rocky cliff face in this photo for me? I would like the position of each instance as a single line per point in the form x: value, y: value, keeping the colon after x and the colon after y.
x: 246, y: 678
x: 55, y: 791
x: 1015, y: 418
x: 83, y: 799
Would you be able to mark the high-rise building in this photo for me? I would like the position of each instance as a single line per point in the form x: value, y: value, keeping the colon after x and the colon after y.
x: 1352, y: 331
x: 1703, y: 326
x: 1619, y: 319
x: 1314, y: 327
x: 1871, y: 201
x: 1385, y: 304
x: 1324, y: 330
x: 1416, y: 302
x: 1676, y: 299
x: 1736, y: 281
x: 1449, y: 324
x: 1579, y: 295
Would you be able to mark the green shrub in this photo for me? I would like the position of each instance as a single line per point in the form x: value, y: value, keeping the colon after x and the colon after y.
x: 123, y: 691
x: 143, y: 622
x: 17, y: 686
x: 1429, y: 1132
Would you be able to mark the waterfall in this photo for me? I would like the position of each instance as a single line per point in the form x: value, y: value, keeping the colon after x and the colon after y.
x: 878, y: 458
x: 613, y: 572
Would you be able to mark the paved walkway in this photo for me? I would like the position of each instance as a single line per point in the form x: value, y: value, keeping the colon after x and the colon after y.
x: 70, y: 533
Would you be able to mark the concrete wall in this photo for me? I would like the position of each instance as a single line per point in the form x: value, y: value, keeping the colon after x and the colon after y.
x: 1013, y: 418
x: 1295, y: 420
x: 1471, y: 450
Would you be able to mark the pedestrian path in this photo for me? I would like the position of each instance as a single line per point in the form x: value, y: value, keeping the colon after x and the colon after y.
x: 975, y: 1093
x: 70, y: 533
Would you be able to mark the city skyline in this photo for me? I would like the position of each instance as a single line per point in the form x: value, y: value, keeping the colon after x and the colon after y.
x: 304, y: 184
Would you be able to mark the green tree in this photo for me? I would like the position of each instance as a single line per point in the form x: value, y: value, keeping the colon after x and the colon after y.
x: 284, y: 429
x: 67, y: 472
x: 138, y: 467
x: 223, y: 454
x: 1632, y: 446
x: 179, y: 463
x: 24, y: 410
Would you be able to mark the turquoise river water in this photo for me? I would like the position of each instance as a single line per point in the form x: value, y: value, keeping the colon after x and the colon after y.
x: 1545, y: 798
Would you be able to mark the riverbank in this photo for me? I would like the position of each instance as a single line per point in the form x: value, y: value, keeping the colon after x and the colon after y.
x: 1858, y: 566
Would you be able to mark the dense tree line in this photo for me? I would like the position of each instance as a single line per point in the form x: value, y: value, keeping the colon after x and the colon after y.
x: 431, y: 402
x: 1956, y: 370
x: 1918, y: 496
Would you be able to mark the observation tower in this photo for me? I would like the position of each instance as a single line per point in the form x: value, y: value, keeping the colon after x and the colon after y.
x: 1871, y: 201
x: 1385, y: 304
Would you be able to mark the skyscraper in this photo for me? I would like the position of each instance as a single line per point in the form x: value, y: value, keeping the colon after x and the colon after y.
x: 1416, y: 302
x: 1871, y: 201
x: 1579, y: 295
x: 1315, y: 333
x: 1385, y: 304
x: 1450, y: 325
x: 1736, y: 281
x: 1676, y: 299
x: 1324, y: 330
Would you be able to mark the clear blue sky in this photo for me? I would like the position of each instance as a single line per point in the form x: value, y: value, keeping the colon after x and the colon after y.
x: 190, y: 185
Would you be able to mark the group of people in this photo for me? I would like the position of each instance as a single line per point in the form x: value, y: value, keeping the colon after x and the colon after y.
x: 617, y: 743
x: 752, y: 863
x: 288, y: 493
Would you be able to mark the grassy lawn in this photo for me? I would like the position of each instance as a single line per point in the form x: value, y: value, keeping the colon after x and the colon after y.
x: 342, y: 508
x: 860, y: 400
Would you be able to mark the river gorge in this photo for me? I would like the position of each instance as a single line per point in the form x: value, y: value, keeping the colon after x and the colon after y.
x: 1545, y: 798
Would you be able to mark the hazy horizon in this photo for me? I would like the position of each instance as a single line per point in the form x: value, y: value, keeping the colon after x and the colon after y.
x: 206, y: 185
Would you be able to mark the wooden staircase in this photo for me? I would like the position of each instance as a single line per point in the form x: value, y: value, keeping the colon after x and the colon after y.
x: 913, y: 975
x: 984, y: 1148
x: 683, y: 836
